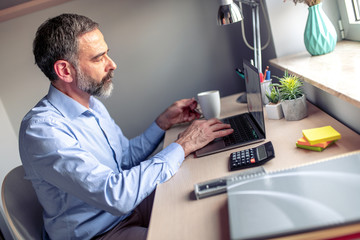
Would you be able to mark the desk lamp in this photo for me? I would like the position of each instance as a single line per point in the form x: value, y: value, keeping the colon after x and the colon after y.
x: 230, y: 13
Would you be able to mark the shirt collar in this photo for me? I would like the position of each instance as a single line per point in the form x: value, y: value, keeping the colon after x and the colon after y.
x: 65, y: 104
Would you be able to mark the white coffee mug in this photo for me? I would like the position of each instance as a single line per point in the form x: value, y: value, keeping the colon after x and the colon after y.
x: 210, y: 103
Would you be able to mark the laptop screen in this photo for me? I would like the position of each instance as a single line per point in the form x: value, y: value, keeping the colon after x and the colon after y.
x: 253, y: 93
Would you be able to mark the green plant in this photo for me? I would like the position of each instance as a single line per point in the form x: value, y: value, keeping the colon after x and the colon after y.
x: 274, y: 95
x: 290, y: 87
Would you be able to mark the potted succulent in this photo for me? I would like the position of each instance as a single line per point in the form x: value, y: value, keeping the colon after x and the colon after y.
x: 293, y: 100
x: 273, y: 108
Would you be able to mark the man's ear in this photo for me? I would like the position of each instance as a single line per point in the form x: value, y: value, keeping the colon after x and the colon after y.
x: 64, y: 70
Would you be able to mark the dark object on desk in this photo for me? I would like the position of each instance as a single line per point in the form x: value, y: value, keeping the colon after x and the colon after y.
x: 248, y: 127
x: 251, y: 157
x: 242, y: 98
x: 297, y: 200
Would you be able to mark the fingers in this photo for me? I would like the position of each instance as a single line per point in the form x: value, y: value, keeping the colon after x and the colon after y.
x: 216, y: 127
x: 188, y: 107
x: 215, y: 121
x: 193, y: 115
x: 223, y: 132
x: 188, y: 102
x: 219, y: 128
x: 193, y: 104
x: 201, y: 132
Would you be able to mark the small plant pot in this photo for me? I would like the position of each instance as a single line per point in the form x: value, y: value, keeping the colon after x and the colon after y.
x: 274, y: 111
x: 294, y: 109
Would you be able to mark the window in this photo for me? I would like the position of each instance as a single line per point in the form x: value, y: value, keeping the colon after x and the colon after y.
x: 350, y: 19
x: 356, y: 6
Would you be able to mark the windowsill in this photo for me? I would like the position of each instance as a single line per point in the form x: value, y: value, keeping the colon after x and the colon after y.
x: 337, y: 73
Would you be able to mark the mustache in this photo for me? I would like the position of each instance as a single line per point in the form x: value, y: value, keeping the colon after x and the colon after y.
x: 109, y: 75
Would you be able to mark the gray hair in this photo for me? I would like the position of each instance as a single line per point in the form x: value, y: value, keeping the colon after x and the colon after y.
x: 57, y: 39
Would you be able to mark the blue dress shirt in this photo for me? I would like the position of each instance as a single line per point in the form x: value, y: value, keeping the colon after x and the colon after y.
x: 87, y: 175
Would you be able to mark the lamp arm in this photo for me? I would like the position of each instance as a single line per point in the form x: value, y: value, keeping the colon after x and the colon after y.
x: 267, y: 26
x: 256, y: 31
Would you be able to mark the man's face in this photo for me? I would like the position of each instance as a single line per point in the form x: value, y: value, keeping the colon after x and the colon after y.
x: 90, y: 85
x: 95, y: 69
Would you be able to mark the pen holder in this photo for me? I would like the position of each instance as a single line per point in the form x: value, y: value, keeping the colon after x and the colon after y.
x: 265, y: 88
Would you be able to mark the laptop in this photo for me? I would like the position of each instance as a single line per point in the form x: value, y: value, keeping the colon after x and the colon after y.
x: 248, y: 127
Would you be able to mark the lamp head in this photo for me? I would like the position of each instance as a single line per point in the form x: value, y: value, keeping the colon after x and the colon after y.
x: 228, y: 13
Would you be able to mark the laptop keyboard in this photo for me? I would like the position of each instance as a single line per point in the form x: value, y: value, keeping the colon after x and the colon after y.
x: 243, y: 131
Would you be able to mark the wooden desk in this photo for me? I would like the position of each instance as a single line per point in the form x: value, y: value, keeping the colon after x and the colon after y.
x: 177, y: 215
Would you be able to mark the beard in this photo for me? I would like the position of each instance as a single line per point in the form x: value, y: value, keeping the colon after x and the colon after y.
x: 91, y: 86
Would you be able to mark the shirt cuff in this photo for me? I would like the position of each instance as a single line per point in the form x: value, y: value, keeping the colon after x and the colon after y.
x: 154, y: 132
x: 174, y: 156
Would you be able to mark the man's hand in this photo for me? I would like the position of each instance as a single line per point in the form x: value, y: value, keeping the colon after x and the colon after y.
x: 179, y: 112
x: 201, y: 132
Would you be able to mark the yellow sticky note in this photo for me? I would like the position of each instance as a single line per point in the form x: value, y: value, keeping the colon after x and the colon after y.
x: 321, y: 134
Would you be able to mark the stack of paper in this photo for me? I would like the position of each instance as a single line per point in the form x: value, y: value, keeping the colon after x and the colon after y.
x: 317, y: 139
x: 303, y: 143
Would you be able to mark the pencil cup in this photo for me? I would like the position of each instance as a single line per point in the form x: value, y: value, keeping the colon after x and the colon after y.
x: 265, y: 88
x: 210, y: 104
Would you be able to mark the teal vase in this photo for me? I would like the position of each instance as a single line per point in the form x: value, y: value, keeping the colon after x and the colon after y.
x: 320, y: 35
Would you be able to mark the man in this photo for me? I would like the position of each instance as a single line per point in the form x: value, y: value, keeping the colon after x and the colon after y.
x: 91, y: 180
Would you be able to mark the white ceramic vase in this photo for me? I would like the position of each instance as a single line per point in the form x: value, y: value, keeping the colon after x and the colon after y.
x: 274, y: 111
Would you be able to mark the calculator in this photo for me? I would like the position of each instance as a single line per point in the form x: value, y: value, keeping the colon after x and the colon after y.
x: 251, y: 157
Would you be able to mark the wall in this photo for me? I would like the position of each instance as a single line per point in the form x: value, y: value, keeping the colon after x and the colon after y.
x: 165, y: 50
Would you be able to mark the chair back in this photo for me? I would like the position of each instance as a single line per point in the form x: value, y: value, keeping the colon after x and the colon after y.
x: 21, y: 206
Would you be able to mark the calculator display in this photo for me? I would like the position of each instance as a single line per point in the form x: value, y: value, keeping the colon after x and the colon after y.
x: 262, y: 152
